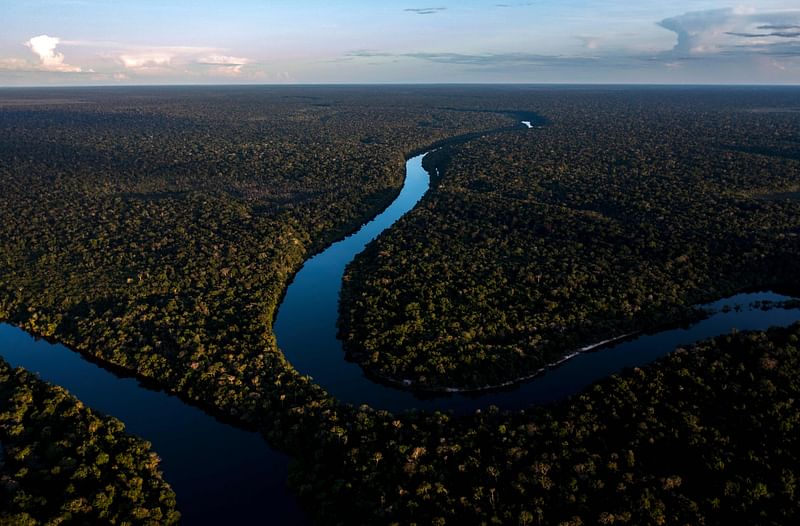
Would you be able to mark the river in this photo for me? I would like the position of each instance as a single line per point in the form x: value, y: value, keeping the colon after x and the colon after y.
x: 306, y: 330
x: 223, y: 474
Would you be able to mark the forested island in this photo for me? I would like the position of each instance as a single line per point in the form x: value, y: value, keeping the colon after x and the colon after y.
x: 156, y: 229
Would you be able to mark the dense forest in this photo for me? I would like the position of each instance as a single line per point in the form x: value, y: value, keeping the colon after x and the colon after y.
x: 156, y: 229
x: 707, y: 435
x: 63, y: 463
x: 623, y: 212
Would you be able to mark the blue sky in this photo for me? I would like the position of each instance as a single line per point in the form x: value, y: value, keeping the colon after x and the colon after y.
x: 64, y: 42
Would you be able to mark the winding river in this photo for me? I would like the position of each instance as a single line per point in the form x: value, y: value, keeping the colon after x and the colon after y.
x: 220, y: 473
x: 306, y: 330
x: 223, y: 474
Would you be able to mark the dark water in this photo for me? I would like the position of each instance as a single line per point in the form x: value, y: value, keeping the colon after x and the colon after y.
x: 306, y: 331
x: 572, y: 376
x: 224, y: 475
x: 305, y: 326
x: 221, y: 474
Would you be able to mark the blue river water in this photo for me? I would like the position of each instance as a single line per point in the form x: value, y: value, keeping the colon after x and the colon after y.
x: 306, y: 330
x: 220, y: 473
x: 226, y: 475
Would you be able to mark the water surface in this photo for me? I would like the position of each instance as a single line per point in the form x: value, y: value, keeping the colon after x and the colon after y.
x: 306, y: 330
x: 225, y: 475
x: 221, y: 474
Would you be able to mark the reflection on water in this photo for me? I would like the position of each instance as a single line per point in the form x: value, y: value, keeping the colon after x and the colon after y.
x: 220, y: 474
x: 307, y: 334
x: 225, y: 475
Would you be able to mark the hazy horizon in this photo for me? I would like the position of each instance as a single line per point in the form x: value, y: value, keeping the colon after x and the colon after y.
x: 675, y: 85
x: 168, y: 42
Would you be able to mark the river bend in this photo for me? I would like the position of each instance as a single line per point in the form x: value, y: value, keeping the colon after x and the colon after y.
x: 222, y: 474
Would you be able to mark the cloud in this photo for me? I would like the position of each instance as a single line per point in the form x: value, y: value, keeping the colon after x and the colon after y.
x: 725, y: 31
x: 49, y: 59
x: 187, y: 61
x: 223, y: 60
x: 425, y: 10
x: 696, y: 30
x: 492, y: 60
x: 146, y: 60
x: 179, y: 58
x: 590, y: 42
x: 224, y: 64
x: 14, y: 64
x: 368, y: 53
x: 715, y: 45
x: 777, y: 28
x: 522, y: 4
x: 778, y: 65
x: 780, y: 34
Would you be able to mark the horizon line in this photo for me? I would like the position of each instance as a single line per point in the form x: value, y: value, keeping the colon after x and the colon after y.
x: 379, y: 84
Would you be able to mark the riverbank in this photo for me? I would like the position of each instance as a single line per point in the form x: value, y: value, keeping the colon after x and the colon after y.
x: 218, y: 470
x: 408, y: 384
x: 62, y: 461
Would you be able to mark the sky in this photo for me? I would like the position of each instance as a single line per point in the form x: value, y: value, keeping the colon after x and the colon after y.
x: 103, y: 42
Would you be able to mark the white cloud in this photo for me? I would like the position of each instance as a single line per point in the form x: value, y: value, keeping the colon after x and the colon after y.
x: 16, y: 64
x: 147, y: 59
x: 183, y: 60
x: 744, y: 10
x: 224, y: 65
x: 590, y: 42
x: 49, y: 59
x: 735, y: 31
x: 225, y: 71
x: 161, y: 57
x: 223, y: 60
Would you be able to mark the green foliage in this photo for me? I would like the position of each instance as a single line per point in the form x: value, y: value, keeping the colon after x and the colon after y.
x: 707, y: 435
x: 618, y: 216
x: 156, y: 230
x: 62, y: 462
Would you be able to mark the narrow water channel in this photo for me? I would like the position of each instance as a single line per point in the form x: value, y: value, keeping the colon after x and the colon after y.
x: 221, y: 474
